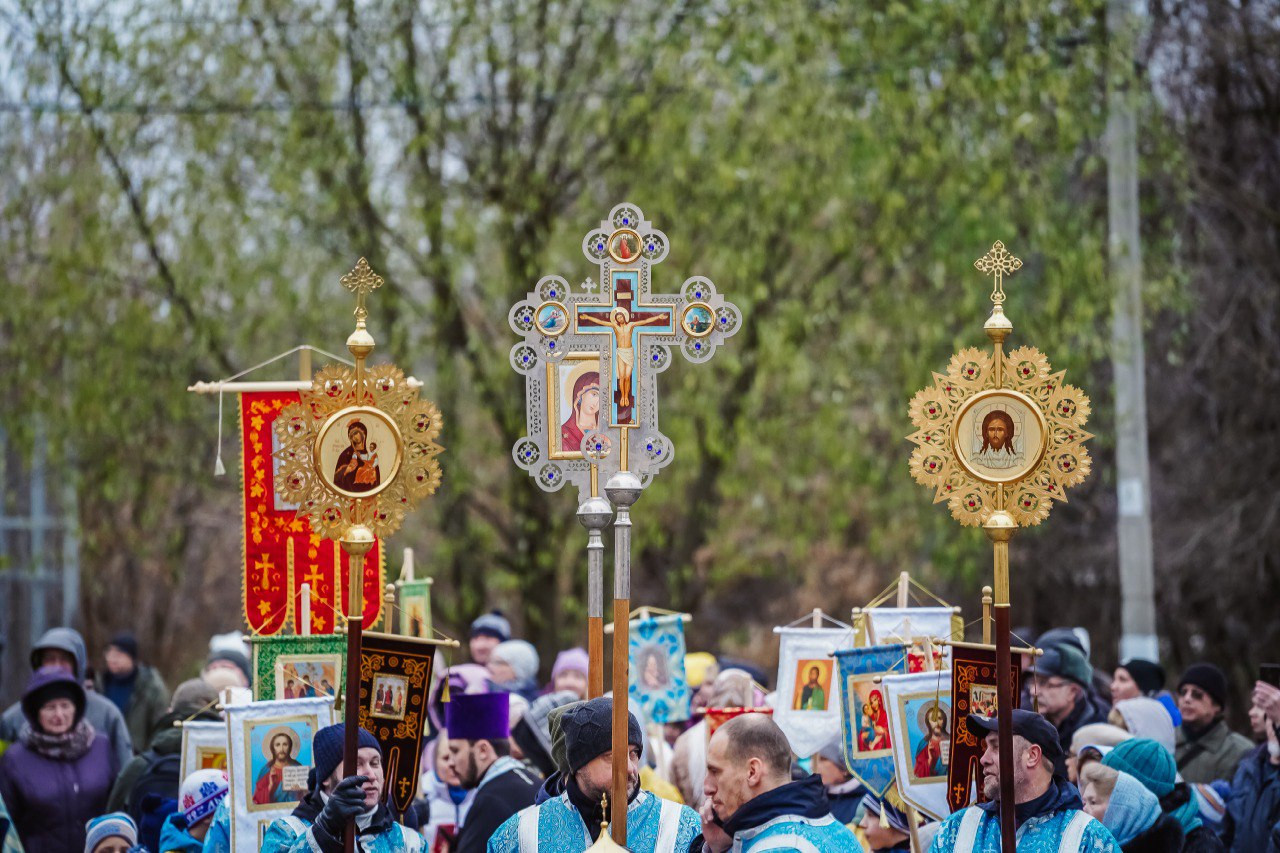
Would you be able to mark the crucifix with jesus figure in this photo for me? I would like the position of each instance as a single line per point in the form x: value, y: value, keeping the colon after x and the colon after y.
x: 590, y: 361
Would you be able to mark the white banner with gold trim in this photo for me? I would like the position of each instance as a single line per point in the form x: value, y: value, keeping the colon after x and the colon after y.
x: 920, y: 729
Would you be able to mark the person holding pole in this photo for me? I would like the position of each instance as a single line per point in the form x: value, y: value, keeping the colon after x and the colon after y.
x: 1048, y: 811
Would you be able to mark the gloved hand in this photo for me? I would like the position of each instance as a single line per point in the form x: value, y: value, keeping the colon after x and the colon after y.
x: 346, y: 801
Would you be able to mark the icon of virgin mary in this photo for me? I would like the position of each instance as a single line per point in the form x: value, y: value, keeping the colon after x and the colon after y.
x: 585, y: 400
x: 357, y: 468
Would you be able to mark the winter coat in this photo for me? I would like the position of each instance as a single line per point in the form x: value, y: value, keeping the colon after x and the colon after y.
x: 1213, y: 755
x: 1163, y: 836
x: 101, y: 713
x: 1043, y: 823
x: 218, y: 838
x: 556, y: 826
x: 174, y: 837
x: 795, y: 816
x: 1088, y: 710
x: 505, y: 789
x: 845, y: 800
x: 148, y: 703
x: 50, y: 799
x: 1183, y: 806
x: 166, y: 739
x: 1252, y: 823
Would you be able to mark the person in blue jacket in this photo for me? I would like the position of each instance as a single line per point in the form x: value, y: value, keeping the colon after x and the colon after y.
x: 1048, y: 814
x: 751, y: 802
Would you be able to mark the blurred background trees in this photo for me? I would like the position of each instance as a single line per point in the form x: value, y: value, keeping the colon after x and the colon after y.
x: 185, y: 182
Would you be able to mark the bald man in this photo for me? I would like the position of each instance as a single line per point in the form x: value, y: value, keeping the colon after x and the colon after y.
x: 751, y: 802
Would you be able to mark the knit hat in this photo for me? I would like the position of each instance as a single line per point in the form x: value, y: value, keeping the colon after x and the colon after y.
x: 1208, y: 678
x: 1055, y: 637
x: 493, y: 624
x: 697, y: 666
x: 46, y: 684
x: 1148, y: 675
x: 1131, y: 810
x: 520, y: 655
x: 1065, y: 661
x: 875, y: 807
x: 588, y: 731
x: 538, y: 717
x: 1147, y: 761
x: 232, y: 656
x: 555, y: 728
x: 1098, y: 734
x: 571, y: 660
x: 478, y: 716
x: 113, y: 825
x: 126, y: 643
x: 1147, y: 717
x: 193, y: 696
x: 326, y: 749
x: 200, y: 793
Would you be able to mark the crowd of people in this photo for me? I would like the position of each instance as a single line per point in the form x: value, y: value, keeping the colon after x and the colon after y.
x: 1102, y: 762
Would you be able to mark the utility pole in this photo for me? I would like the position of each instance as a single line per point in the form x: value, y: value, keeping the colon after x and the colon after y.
x: 1133, y: 470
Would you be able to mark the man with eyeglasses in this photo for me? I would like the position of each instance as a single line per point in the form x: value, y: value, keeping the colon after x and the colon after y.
x: 1206, y: 748
x: 1060, y: 686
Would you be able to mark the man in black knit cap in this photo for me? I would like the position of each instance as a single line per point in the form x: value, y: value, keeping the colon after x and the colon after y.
x: 1206, y: 748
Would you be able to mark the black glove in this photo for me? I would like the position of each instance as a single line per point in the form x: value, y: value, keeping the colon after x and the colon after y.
x: 346, y: 801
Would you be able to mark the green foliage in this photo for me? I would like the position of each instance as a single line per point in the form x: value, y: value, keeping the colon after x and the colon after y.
x: 192, y: 184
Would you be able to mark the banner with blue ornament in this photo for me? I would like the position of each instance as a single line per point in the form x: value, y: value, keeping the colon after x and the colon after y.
x: 868, y: 742
x: 659, y: 685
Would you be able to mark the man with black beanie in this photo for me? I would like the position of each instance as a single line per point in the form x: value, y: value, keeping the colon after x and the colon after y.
x: 570, y: 821
x: 1206, y: 749
x: 332, y: 801
x: 135, y: 688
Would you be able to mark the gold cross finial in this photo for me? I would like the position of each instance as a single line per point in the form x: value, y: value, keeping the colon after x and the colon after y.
x: 361, y: 280
x: 999, y: 263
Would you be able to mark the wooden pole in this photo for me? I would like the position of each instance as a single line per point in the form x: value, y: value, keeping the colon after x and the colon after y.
x: 1000, y: 528
x: 356, y: 542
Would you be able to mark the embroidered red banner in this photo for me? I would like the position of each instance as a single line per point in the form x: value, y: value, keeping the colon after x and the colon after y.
x: 280, y: 552
x: 973, y: 691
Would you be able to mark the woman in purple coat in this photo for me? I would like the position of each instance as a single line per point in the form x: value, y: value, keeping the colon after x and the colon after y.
x: 59, y: 772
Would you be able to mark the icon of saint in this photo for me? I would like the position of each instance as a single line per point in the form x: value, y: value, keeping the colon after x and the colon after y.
x: 586, y: 411
x: 653, y: 670
x: 624, y: 353
x: 812, y: 696
x: 929, y: 750
x: 357, y: 468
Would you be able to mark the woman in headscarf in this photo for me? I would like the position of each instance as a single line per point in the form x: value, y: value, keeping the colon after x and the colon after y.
x: 59, y: 773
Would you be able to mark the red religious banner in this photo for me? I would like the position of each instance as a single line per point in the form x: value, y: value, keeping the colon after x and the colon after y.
x: 973, y: 691
x: 280, y: 551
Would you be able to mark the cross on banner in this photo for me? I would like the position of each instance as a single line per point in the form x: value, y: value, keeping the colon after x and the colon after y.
x: 590, y: 355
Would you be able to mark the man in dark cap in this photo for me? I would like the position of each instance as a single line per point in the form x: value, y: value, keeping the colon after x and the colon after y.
x: 1061, y: 686
x: 479, y: 752
x: 570, y: 821
x: 1048, y: 807
x: 1206, y: 748
x: 135, y: 688
x: 320, y: 821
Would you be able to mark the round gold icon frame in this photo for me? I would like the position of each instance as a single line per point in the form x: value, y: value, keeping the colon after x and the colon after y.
x: 613, y: 242
x: 373, y: 414
x: 1029, y: 407
x: 697, y: 306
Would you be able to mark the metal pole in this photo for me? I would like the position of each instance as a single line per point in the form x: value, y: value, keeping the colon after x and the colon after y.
x: 1133, y: 473
x: 623, y: 490
x: 595, y: 515
x: 1000, y: 528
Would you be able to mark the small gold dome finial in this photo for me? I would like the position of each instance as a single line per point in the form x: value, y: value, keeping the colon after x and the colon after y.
x: 604, y: 842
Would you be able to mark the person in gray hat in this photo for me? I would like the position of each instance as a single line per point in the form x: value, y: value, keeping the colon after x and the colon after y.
x: 1061, y: 685
x: 486, y: 632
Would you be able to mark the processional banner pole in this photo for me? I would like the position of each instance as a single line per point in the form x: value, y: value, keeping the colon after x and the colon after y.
x: 1000, y: 438
x: 590, y: 355
x: 357, y: 452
